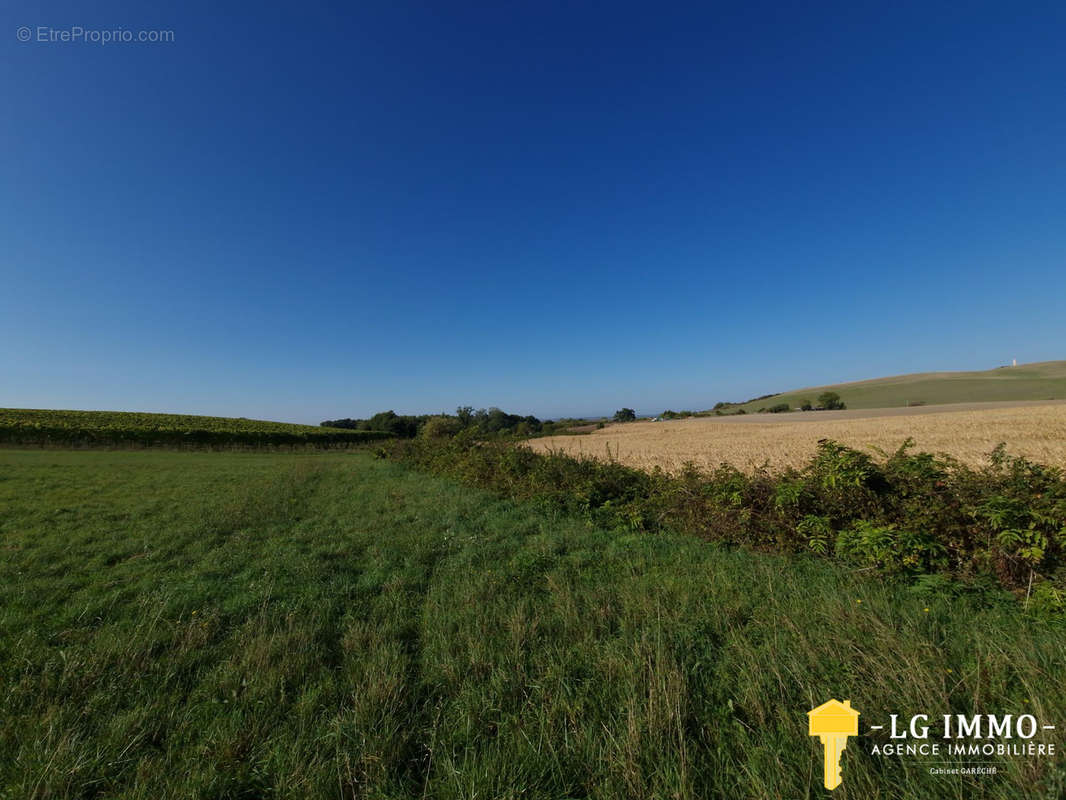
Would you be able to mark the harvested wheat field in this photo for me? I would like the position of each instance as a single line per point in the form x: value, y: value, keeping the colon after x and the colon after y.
x: 966, y: 431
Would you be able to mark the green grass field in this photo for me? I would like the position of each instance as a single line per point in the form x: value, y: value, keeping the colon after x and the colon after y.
x: 1042, y: 381
x: 243, y: 625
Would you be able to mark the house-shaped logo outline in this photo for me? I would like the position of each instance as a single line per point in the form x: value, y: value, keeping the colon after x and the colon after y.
x: 832, y: 709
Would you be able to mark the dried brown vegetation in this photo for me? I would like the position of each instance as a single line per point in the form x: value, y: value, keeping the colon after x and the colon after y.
x: 1037, y: 432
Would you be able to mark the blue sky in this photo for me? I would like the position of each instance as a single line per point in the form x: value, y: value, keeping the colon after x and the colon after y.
x: 555, y: 208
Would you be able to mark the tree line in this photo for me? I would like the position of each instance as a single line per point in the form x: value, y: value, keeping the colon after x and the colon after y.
x: 480, y: 423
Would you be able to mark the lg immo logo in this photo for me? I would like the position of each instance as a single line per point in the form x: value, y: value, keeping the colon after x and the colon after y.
x: 833, y: 722
x: 977, y: 736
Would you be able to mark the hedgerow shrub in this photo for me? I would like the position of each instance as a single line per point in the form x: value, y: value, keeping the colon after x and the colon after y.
x: 440, y: 427
x: 908, y: 514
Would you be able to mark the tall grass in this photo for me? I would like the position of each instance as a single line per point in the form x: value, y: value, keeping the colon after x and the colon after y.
x: 907, y: 514
x: 190, y: 625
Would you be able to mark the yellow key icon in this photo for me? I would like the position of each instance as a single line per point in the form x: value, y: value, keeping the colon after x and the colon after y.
x: 833, y: 722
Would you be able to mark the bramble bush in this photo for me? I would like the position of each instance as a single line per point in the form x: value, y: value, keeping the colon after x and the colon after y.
x: 903, y: 513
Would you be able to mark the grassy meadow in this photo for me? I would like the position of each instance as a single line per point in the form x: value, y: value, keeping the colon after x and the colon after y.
x: 1045, y: 380
x: 274, y: 625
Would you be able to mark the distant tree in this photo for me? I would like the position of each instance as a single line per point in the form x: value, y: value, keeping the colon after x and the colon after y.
x: 497, y: 420
x: 440, y: 427
x: 625, y: 415
x: 405, y: 427
x: 830, y: 401
x: 490, y: 422
x: 352, y: 424
x: 668, y: 414
x: 465, y: 415
x: 806, y: 404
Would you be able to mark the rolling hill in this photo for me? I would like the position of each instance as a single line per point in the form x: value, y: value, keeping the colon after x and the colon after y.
x: 1044, y: 380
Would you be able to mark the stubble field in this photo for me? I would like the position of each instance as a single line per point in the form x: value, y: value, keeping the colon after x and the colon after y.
x: 967, y: 432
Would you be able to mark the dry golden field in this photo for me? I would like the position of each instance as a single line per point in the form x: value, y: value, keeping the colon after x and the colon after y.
x: 965, y: 431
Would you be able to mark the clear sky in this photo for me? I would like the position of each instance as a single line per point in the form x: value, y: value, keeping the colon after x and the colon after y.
x: 557, y: 208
